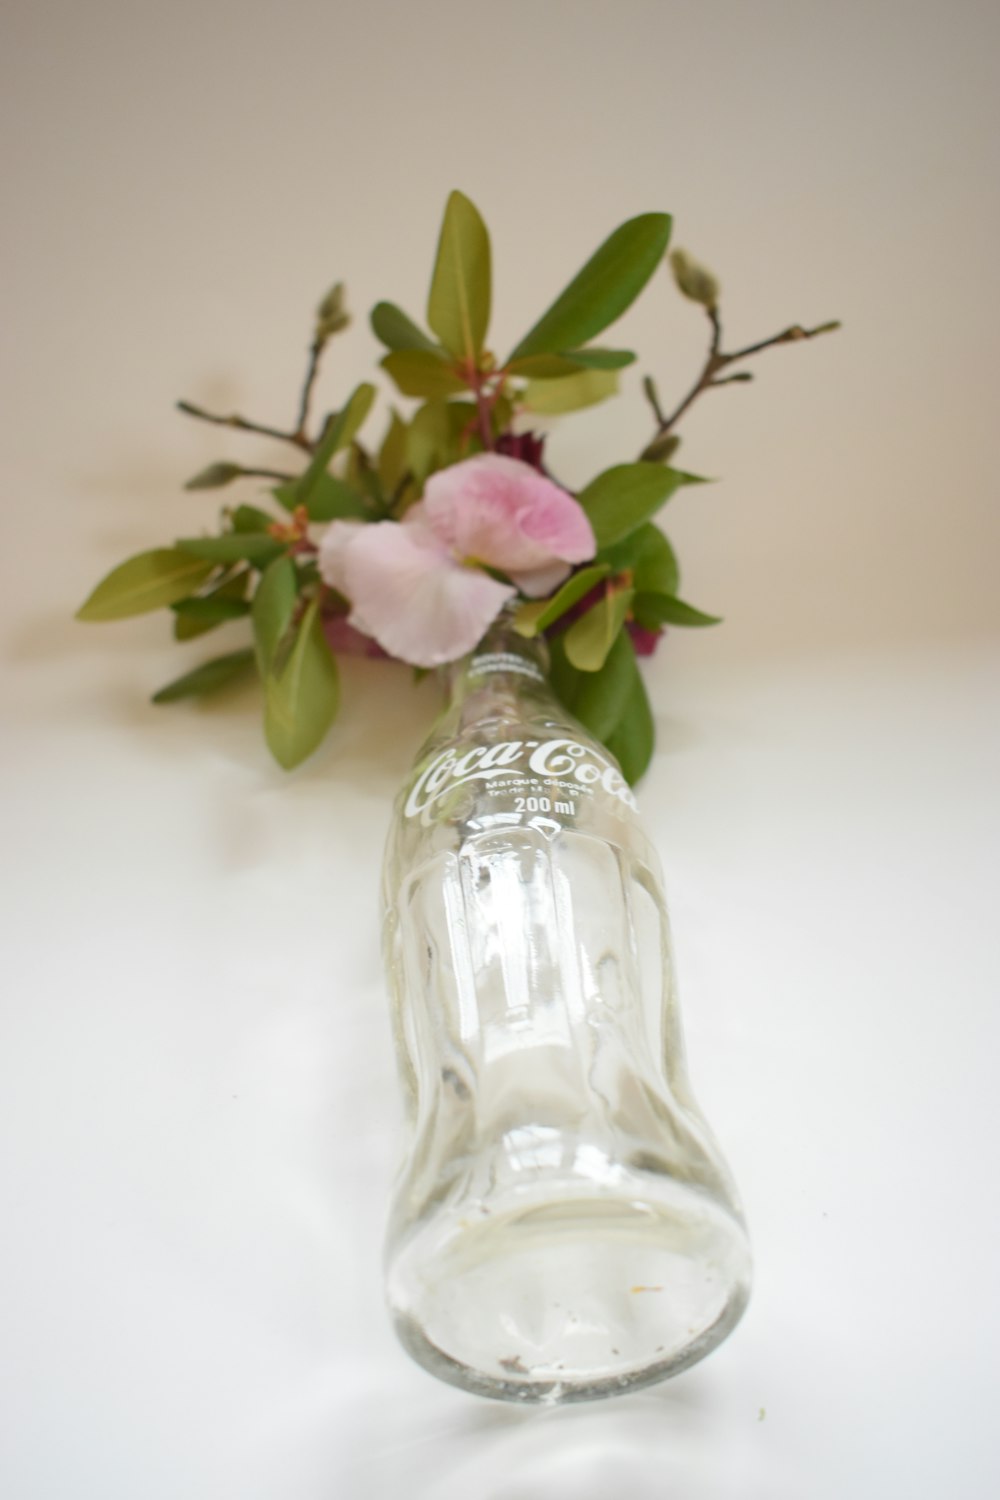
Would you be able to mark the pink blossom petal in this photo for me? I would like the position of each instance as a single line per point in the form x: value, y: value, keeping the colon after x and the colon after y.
x: 506, y: 514
x: 409, y: 593
x: 333, y: 552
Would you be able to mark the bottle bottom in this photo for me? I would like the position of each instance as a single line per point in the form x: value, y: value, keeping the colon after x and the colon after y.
x: 569, y: 1298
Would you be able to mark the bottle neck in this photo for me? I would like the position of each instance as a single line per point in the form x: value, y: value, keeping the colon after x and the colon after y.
x: 504, y: 671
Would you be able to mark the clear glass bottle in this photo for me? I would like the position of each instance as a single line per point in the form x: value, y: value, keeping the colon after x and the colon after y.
x: 564, y: 1226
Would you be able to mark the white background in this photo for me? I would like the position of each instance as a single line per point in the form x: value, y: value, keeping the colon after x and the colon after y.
x: 196, y: 1085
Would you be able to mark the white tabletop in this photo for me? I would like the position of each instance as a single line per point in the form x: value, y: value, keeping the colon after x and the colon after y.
x: 200, y: 1106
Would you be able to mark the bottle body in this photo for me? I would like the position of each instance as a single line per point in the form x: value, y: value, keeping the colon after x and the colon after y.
x: 564, y: 1226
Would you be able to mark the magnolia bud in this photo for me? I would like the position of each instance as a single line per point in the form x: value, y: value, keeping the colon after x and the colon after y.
x: 694, y: 280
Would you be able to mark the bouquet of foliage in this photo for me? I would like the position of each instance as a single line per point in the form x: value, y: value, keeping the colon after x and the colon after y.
x: 411, y: 549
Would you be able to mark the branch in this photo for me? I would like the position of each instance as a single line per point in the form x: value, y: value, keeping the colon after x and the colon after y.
x: 298, y: 439
x: 716, y: 361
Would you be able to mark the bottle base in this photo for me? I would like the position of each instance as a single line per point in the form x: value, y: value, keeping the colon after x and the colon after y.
x: 570, y: 1299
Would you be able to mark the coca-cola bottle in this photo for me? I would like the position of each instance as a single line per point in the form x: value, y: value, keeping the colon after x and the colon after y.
x: 564, y: 1226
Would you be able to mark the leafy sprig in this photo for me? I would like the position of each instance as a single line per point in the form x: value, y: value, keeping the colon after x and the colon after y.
x: 260, y: 566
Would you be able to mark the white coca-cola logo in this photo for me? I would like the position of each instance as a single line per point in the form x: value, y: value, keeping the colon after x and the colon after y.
x: 565, y: 759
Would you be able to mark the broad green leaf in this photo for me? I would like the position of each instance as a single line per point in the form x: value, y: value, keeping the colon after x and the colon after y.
x: 649, y: 558
x: 417, y: 373
x: 599, y: 294
x: 207, y: 678
x: 214, y: 477
x: 632, y: 740
x: 250, y: 518
x: 601, y: 697
x: 236, y: 546
x: 653, y: 610
x: 571, y: 393
x: 197, y: 616
x: 565, y: 679
x: 392, y: 455
x: 536, y: 616
x: 625, y: 496
x: 590, y: 638
x: 151, y: 580
x: 340, y: 433
x: 301, y: 701
x: 391, y: 325
x: 458, y: 307
x: 330, y: 499
x: 552, y: 366
x: 272, y: 610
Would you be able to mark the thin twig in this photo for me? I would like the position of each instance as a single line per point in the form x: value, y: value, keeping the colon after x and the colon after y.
x: 296, y: 438
x: 716, y: 361
x: 312, y: 371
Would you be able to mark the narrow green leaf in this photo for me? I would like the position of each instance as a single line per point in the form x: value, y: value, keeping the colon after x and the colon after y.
x: 632, y: 740
x: 571, y: 393
x: 392, y: 455
x: 653, y: 610
x: 458, y: 307
x: 625, y: 496
x: 236, y: 546
x: 211, y: 610
x: 339, y: 434
x: 301, y: 702
x: 330, y: 499
x: 650, y: 559
x: 151, y: 580
x: 214, y: 477
x: 392, y: 326
x: 537, y: 615
x: 602, y: 695
x: 599, y: 294
x: 250, y: 518
x: 272, y: 610
x: 435, y: 436
x: 417, y: 373
x: 206, y: 612
x: 207, y: 678
x: 601, y: 359
x: 590, y: 638
x: 553, y: 366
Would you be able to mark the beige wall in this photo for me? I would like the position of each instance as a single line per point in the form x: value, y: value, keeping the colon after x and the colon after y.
x: 182, y: 180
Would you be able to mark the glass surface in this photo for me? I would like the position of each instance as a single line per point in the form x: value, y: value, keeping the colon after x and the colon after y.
x: 564, y: 1226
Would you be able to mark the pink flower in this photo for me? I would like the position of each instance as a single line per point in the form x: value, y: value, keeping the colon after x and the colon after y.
x: 418, y: 587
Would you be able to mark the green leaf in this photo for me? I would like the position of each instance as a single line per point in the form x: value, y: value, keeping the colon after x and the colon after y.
x: 417, y: 373
x: 625, y: 496
x: 330, y: 499
x: 553, y: 366
x: 434, y: 437
x: 590, y: 638
x: 599, y: 294
x: 650, y: 559
x: 207, y: 678
x: 249, y: 518
x: 653, y: 610
x: 602, y: 359
x: 602, y: 695
x: 272, y: 610
x: 214, y: 477
x: 301, y: 702
x: 197, y: 616
x: 662, y: 448
x: 151, y: 580
x: 391, y: 325
x: 632, y: 740
x: 392, y: 455
x: 339, y: 434
x: 458, y: 307
x: 539, y: 614
x: 236, y: 546
x: 571, y: 393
